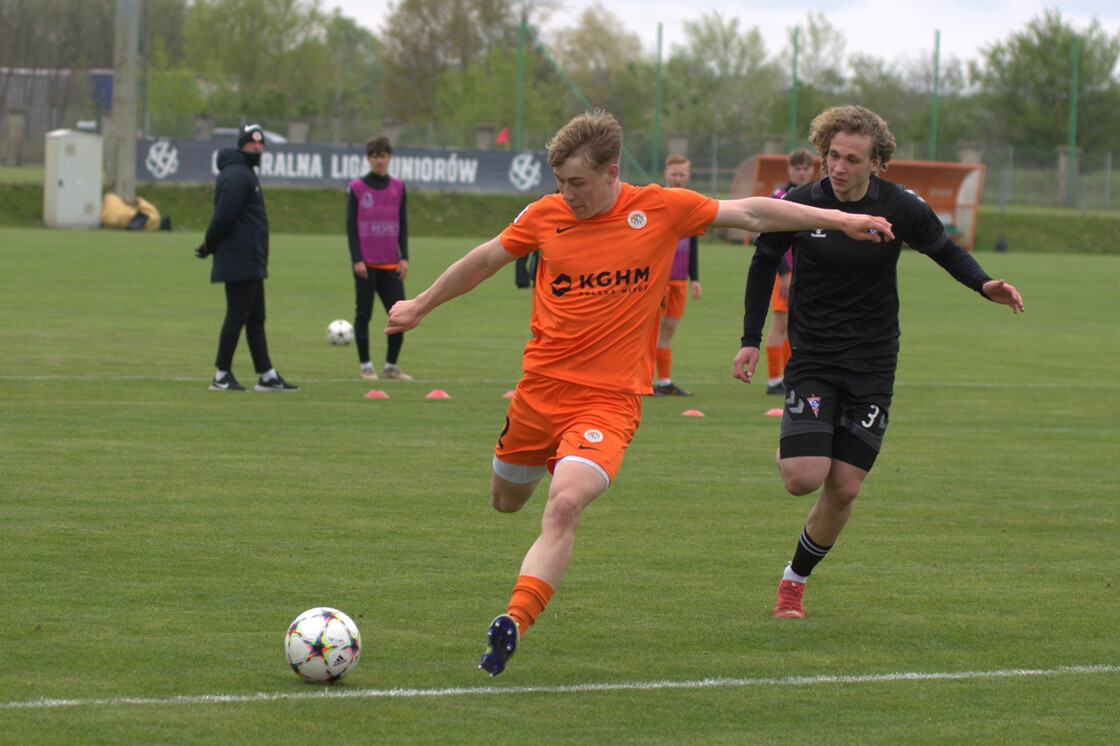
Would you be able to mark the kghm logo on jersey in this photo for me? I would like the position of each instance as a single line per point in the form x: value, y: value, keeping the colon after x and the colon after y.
x: 603, y: 283
x: 561, y: 285
x: 636, y: 220
x: 609, y: 282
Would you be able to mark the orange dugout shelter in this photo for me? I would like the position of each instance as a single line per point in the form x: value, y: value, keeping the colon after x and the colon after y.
x: 951, y: 189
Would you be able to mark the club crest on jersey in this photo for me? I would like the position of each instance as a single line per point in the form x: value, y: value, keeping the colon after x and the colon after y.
x: 814, y: 404
x: 636, y: 220
x: 593, y: 436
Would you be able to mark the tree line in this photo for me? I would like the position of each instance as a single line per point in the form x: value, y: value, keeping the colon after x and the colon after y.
x: 457, y: 62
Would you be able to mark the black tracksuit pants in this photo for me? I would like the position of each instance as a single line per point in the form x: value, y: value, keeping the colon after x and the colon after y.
x: 244, y: 308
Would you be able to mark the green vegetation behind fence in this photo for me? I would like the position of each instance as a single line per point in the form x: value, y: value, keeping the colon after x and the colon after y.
x: 322, y: 211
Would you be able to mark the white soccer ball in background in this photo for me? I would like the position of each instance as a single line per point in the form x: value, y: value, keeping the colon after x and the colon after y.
x: 340, y: 332
x: 322, y: 645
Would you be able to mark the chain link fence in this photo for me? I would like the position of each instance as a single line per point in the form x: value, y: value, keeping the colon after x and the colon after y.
x: 1048, y: 177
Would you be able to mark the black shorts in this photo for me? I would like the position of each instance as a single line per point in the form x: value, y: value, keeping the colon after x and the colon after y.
x: 835, y: 412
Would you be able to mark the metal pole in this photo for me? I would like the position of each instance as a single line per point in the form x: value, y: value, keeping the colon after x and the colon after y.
x: 520, y: 83
x: 122, y: 140
x: 145, y: 44
x: 655, y: 149
x: 933, y: 112
x: 1072, y: 176
x: 1108, y: 180
x: 793, y: 95
x: 715, y: 166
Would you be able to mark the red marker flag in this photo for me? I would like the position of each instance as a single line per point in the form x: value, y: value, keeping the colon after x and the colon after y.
x: 503, y: 137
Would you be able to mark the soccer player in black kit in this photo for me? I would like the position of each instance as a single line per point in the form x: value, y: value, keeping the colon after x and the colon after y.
x: 843, y: 327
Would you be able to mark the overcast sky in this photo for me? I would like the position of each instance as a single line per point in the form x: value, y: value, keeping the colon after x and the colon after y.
x: 889, y: 29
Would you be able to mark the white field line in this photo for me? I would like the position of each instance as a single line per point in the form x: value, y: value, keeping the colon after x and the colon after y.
x: 711, y: 683
x: 1080, y: 385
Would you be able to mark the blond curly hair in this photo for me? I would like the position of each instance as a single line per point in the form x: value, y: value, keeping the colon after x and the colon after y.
x: 854, y: 120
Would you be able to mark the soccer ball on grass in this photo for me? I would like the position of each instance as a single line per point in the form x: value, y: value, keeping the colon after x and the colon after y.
x: 323, y: 645
x: 340, y: 332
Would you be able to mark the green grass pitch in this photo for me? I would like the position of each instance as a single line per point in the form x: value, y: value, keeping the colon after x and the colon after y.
x: 157, y: 538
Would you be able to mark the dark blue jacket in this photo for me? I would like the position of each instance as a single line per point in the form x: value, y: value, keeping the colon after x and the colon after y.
x: 238, y: 232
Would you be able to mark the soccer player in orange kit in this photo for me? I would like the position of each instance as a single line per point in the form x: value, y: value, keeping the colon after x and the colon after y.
x: 606, y: 251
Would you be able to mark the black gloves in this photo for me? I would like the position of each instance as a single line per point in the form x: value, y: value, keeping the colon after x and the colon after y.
x: 202, y: 252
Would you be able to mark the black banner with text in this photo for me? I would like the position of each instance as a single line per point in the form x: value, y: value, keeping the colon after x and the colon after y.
x: 495, y: 171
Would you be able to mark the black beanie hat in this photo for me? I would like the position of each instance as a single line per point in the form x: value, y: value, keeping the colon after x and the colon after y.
x: 250, y: 133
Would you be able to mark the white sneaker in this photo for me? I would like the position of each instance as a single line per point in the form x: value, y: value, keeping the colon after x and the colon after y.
x: 392, y: 371
x: 369, y: 374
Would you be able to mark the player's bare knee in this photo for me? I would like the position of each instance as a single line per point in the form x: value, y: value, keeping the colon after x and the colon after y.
x: 800, y: 480
x: 843, y: 492
x: 564, y: 507
x: 803, y: 475
x: 798, y: 484
x: 505, y: 504
x: 507, y: 497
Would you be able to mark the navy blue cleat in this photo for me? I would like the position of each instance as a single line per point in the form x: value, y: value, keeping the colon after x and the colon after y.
x: 503, y: 636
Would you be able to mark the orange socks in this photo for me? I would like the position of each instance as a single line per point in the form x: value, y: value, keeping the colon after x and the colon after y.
x: 530, y: 596
x: 774, y: 361
x: 776, y: 358
x: 664, y: 362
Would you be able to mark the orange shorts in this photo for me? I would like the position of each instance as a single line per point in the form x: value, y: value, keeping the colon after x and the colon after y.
x: 777, y: 302
x: 672, y: 303
x: 549, y: 419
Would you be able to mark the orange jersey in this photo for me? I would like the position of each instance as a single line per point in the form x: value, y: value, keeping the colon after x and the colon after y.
x: 597, y: 300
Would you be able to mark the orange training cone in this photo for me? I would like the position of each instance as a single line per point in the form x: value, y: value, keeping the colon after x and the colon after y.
x: 692, y: 413
x: 438, y: 394
x: 377, y: 394
x: 773, y: 413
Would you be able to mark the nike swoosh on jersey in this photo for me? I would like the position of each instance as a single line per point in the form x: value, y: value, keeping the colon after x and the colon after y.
x: 565, y: 228
x: 582, y: 447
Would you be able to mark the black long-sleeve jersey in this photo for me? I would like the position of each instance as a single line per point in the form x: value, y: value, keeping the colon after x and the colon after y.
x: 843, y: 304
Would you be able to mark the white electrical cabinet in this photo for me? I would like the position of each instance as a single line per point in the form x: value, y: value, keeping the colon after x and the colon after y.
x: 72, y: 180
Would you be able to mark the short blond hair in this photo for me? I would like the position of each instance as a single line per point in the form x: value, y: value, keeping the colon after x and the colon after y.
x: 596, y: 136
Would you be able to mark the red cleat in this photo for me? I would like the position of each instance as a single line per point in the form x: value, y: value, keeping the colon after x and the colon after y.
x: 789, y: 600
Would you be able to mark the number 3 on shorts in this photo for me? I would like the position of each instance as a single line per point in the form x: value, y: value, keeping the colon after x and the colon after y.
x: 872, y: 414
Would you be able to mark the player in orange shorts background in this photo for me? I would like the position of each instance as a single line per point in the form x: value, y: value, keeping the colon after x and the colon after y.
x: 684, y: 276
x: 606, y: 249
x: 800, y: 166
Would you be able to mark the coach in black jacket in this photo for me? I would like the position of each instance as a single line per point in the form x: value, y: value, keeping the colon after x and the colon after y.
x: 238, y: 240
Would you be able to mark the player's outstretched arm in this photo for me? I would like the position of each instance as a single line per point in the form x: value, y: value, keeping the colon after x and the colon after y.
x: 766, y: 215
x: 461, y: 277
x: 999, y: 291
